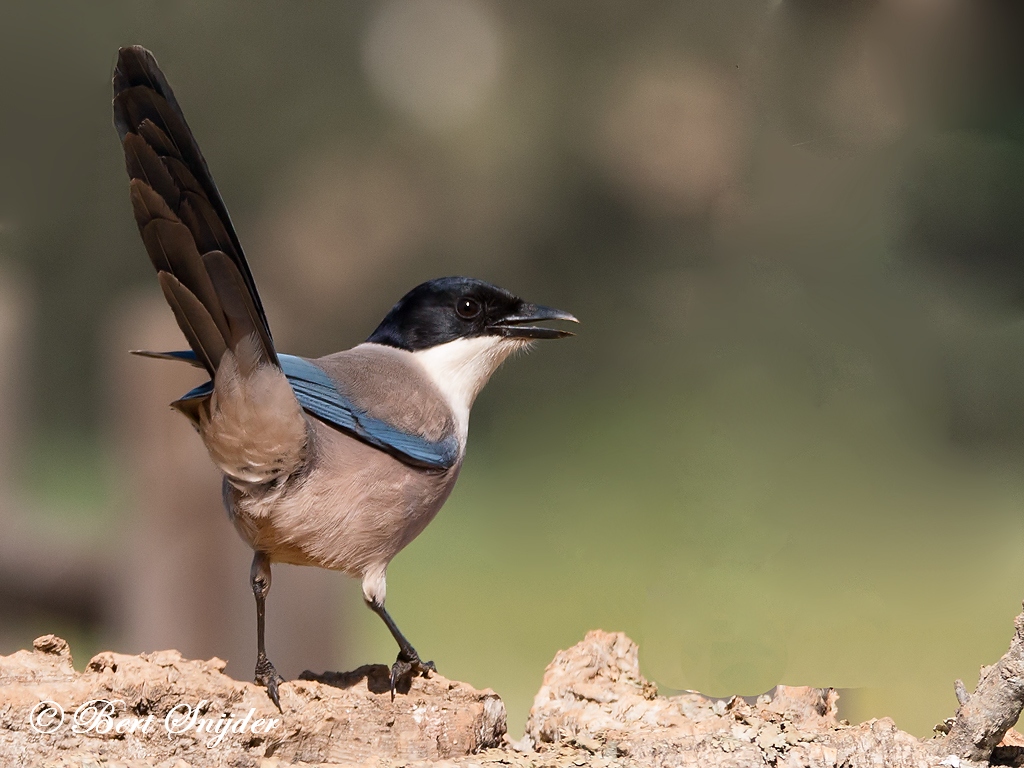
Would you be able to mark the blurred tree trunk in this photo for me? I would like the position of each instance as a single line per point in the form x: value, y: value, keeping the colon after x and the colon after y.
x: 185, y: 572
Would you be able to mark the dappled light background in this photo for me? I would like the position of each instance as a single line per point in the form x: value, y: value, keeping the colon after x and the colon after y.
x: 787, y: 445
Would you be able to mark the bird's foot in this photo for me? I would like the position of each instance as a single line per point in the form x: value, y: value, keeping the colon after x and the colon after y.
x: 409, y: 665
x: 267, y: 676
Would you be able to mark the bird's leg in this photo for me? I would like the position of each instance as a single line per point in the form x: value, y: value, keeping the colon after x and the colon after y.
x: 408, y: 661
x: 266, y: 675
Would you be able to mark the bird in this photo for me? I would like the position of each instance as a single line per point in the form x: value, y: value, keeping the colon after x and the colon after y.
x: 337, y: 462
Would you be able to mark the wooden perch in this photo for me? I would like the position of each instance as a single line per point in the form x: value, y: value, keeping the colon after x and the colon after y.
x: 593, y: 708
x: 987, y: 714
x: 593, y: 695
x: 159, y: 708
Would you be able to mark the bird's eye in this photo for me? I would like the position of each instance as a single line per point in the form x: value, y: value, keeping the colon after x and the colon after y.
x: 467, y: 308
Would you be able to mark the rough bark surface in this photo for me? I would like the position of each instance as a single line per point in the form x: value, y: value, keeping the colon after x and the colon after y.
x: 594, y: 708
x: 987, y: 714
x: 340, y: 718
x: 594, y: 694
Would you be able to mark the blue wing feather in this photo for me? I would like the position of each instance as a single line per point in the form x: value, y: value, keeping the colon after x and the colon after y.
x: 319, y: 395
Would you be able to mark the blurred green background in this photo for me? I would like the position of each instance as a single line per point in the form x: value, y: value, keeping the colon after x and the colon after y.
x: 786, y: 445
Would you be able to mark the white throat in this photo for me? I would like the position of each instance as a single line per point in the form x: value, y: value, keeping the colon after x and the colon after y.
x: 460, y: 369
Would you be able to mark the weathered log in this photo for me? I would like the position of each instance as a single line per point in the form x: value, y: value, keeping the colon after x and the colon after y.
x: 159, y: 707
x: 985, y: 716
x: 594, y: 708
x: 594, y: 695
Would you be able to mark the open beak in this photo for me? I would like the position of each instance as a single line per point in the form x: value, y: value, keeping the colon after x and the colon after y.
x: 515, y: 326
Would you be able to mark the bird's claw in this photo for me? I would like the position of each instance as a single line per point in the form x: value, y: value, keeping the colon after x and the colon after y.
x: 267, y: 676
x: 409, y: 665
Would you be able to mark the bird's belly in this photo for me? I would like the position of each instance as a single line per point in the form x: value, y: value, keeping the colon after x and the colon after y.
x: 354, y: 508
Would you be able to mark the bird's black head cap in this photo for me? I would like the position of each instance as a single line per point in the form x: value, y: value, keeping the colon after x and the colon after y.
x: 449, y: 308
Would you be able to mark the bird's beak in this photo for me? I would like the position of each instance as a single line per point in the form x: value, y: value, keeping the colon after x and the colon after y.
x: 514, y: 326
